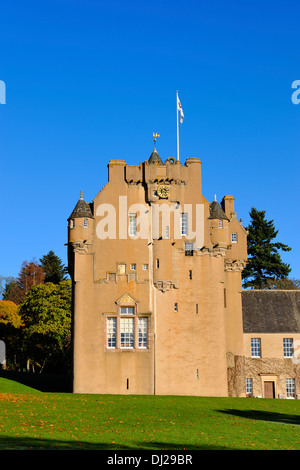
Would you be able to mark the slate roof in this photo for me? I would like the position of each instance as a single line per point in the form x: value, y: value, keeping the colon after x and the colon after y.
x: 271, y: 311
x: 82, y: 209
x: 216, y: 211
x: 154, y: 157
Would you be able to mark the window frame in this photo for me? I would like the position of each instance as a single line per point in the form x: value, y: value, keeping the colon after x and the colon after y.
x: 255, y: 346
x: 127, y: 330
x: 189, y: 248
x: 249, y: 386
x: 142, y: 332
x: 234, y: 237
x: 111, y: 333
x: 288, y: 347
x: 132, y: 224
x: 184, y: 224
x: 290, y: 387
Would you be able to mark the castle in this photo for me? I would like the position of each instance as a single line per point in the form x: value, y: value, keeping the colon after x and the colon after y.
x: 158, y: 306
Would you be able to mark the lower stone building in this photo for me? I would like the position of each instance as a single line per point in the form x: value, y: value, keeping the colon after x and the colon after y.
x: 271, y: 330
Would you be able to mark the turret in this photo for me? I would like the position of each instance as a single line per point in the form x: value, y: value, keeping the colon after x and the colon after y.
x: 218, y: 225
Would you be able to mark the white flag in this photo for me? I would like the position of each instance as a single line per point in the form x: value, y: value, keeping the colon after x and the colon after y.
x: 179, y: 108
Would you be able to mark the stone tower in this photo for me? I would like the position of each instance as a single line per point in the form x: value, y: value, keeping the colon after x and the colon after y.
x: 156, y: 273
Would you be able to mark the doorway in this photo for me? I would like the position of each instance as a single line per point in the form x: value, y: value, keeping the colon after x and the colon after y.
x: 269, y: 389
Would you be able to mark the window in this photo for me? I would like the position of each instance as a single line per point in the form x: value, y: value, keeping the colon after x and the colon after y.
x: 133, y: 267
x: 196, y: 308
x: 290, y: 387
x: 190, y: 274
x: 111, y: 332
x: 127, y: 310
x: 220, y: 223
x: 143, y: 332
x: 145, y: 267
x: 287, y: 347
x: 184, y: 223
x: 176, y: 307
x: 167, y: 231
x: 255, y: 347
x: 249, y: 390
x: 85, y: 223
x: 126, y: 332
x: 234, y: 237
x: 157, y: 263
x: 132, y: 225
x: 189, y: 249
x: 72, y: 223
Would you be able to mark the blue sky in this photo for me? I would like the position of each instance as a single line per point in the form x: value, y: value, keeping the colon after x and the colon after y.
x: 88, y: 81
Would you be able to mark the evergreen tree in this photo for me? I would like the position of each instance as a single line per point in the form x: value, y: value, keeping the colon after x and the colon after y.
x: 54, y: 270
x: 264, y: 261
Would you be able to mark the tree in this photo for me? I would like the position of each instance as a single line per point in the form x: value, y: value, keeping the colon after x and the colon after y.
x: 53, y: 268
x: 10, y: 327
x: 31, y: 274
x: 13, y: 291
x: 46, y: 315
x: 283, y: 284
x: 264, y: 263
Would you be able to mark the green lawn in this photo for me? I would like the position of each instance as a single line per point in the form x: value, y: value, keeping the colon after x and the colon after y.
x: 32, y: 419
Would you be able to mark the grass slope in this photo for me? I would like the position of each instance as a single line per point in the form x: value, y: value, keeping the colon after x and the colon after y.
x: 35, y: 420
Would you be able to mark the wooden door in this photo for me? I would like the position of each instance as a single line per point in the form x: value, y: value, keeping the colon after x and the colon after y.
x: 269, y: 390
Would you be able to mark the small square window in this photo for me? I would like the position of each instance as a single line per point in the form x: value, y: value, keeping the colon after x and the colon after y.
x: 145, y: 267
x: 189, y: 249
x: 133, y: 266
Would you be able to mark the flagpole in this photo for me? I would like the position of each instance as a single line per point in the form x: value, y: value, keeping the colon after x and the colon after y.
x: 177, y: 126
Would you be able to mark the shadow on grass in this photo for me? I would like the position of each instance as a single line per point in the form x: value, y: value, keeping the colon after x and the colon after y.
x: 264, y: 416
x: 27, y: 443
x: 42, y: 382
